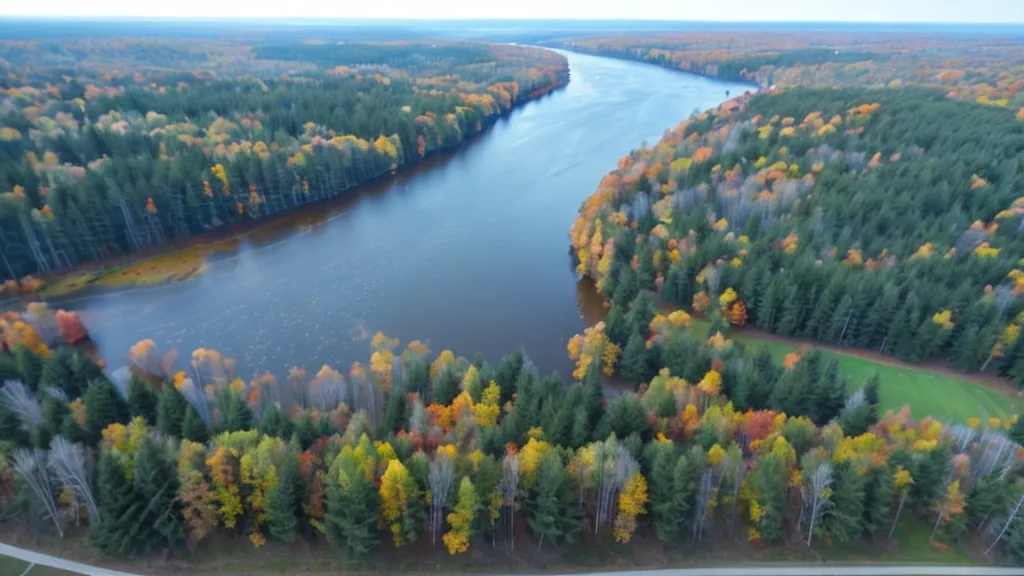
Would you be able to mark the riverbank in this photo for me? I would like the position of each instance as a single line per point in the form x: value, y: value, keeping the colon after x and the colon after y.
x: 185, y: 259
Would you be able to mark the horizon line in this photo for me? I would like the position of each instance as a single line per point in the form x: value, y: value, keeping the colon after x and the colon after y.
x: 101, y: 17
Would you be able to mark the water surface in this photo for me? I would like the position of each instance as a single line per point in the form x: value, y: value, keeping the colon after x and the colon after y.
x: 468, y: 252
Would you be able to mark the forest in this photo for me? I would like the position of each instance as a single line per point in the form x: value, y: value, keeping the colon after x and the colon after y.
x: 986, y: 68
x: 888, y: 220
x: 110, y: 147
x: 721, y: 444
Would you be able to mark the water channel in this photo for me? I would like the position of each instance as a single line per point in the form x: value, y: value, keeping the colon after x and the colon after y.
x: 467, y: 252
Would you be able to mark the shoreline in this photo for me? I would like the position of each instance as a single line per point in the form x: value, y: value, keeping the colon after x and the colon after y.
x: 91, y: 273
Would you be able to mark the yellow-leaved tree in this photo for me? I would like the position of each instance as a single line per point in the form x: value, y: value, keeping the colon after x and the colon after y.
x: 462, y: 518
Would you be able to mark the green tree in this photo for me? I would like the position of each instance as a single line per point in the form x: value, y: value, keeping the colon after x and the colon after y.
x: 170, y: 411
x: 103, y: 406
x: 142, y: 400
x: 284, y: 503
x: 550, y: 509
x: 353, y: 507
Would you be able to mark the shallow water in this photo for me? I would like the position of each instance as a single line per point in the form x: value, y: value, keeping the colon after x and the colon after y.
x: 468, y: 252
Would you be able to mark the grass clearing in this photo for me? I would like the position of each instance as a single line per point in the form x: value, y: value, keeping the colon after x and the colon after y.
x: 928, y: 392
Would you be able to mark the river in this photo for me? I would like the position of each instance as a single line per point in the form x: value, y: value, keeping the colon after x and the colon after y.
x: 467, y: 252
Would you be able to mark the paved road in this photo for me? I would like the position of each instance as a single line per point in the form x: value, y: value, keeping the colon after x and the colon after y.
x: 54, y: 562
x: 795, y: 570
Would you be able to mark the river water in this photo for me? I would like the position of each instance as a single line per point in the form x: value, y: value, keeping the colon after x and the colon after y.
x: 467, y: 252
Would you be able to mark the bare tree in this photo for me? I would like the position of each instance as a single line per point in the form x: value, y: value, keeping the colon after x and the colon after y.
x: 67, y: 462
x: 509, y: 490
x: 442, y: 478
x: 17, y: 398
x: 30, y: 465
x: 1009, y: 520
x: 815, y: 491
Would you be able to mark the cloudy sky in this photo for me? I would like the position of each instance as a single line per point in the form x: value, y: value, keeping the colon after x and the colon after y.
x: 950, y: 11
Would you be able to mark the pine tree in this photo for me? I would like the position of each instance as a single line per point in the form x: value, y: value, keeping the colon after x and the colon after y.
x: 118, y: 508
x: 57, y: 372
x: 30, y: 366
x: 103, y: 406
x: 193, y: 428
x: 284, y: 503
x: 615, y: 326
x: 274, y: 423
x: 633, y: 364
x: 878, y: 496
x: 550, y: 508
x: 170, y: 411
x: 155, y: 483
x: 353, y: 507
x: 668, y: 478
x: 641, y: 311
x: 446, y: 387
x: 142, y: 401
x: 397, y: 415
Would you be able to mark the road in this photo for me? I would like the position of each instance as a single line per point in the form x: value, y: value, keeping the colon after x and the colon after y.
x: 792, y: 570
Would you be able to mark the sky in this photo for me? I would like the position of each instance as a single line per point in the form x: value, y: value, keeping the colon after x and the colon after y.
x: 931, y: 11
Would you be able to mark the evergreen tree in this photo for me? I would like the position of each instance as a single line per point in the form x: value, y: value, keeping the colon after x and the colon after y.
x: 668, y: 492
x: 550, y: 509
x: 284, y: 503
x: 843, y: 521
x: 615, y: 326
x: 633, y: 364
x: 641, y: 311
x: 118, y: 506
x: 103, y: 406
x: 878, y: 495
x: 193, y: 428
x: 142, y: 401
x: 57, y: 372
x: 170, y: 411
x: 446, y: 388
x: 30, y: 367
x: 353, y: 507
x: 274, y: 423
x: 155, y: 483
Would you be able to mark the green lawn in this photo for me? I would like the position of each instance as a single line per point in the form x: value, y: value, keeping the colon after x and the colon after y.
x: 927, y: 393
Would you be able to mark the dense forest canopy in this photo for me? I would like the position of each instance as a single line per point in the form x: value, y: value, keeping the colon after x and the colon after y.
x: 989, y: 68
x: 877, y: 218
x: 720, y: 444
x: 112, y: 146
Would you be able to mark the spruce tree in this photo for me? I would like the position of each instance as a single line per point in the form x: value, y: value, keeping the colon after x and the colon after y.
x: 274, y: 423
x: 843, y: 521
x: 284, y: 503
x: 57, y: 372
x: 642, y: 310
x: 878, y: 495
x: 119, y: 508
x: 668, y: 506
x: 29, y: 365
x: 633, y: 364
x: 193, y: 428
x: 103, y: 406
x: 170, y: 411
x: 353, y: 507
x: 155, y: 483
x: 615, y: 325
x: 550, y: 509
x: 446, y: 387
x: 142, y: 400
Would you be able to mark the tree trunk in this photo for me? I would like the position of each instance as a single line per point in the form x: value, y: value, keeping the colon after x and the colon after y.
x: 899, y: 510
x: 1009, y: 521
